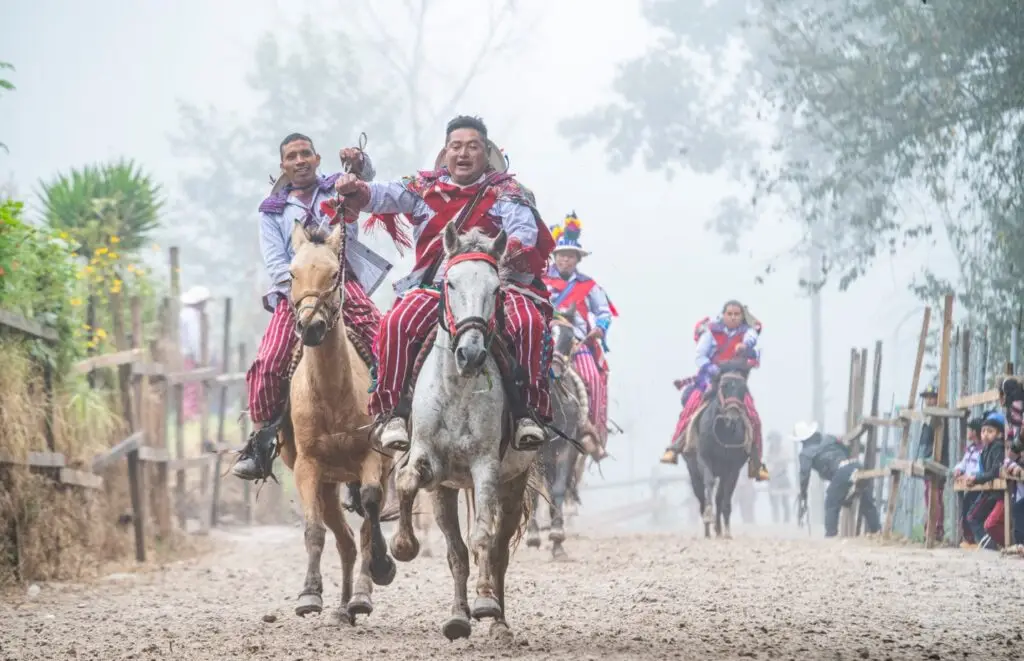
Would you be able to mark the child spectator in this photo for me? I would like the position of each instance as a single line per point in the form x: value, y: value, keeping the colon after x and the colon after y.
x: 970, y: 464
x: 992, y: 455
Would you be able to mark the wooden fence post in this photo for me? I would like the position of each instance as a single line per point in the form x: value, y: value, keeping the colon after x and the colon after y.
x: 895, y: 479
x: 243, y: 403
x: 222, y: 409
x: 939, y: 426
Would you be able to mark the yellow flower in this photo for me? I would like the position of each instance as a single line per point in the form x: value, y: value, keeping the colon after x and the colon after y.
x: 113, y: 256
x: 114, y: 239
x: 102, y: 250
x: 88, y: 269
x: 75, y: 302
x: 64, y: 235
x: 100, y: 333
x: 85, y: 327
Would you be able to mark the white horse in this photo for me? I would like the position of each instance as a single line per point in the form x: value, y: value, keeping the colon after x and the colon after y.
x: 460, y: 428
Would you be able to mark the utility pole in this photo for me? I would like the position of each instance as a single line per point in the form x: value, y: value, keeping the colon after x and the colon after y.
x: 815, y: 278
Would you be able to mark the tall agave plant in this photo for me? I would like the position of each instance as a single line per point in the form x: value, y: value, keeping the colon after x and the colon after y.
x: 96, y: 203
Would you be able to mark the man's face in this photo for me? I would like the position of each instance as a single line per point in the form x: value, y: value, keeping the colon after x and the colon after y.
x: 466, y: 156
x: 972, y: 436
x: 732, y: 316
x: 300, y: 162
x: 989, y: 434
x: 930, y: 400
x: 566, y: 261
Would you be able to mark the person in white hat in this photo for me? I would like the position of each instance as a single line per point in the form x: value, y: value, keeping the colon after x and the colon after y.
x: 470, y: 187
x: 832, y: 460
x: 301, y: 195
x: 193, y: 301
x: 591, y: 312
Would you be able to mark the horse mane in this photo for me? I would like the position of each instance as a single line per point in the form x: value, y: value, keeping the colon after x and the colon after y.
x: 476, y: 240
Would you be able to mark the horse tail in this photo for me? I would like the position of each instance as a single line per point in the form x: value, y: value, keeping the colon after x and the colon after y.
x: 534, y: 486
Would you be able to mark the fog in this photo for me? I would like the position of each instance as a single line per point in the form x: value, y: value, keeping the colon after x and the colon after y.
x: 104, y: 79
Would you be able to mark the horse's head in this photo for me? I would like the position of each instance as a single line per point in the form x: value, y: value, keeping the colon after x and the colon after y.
x: 730, y: 391
x: 563, y: 338
x: 472, y: 295
x: 316, y: 282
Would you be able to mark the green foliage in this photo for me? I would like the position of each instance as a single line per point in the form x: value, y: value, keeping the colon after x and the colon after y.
x: 39, y: 280
x: 96, y: 203
x: 896, y: 122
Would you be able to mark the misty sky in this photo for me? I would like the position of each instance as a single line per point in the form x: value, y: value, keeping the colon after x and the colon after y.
x: 102, y: 79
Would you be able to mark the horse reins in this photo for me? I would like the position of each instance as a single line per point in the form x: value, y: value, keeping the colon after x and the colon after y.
x: 458, y: 328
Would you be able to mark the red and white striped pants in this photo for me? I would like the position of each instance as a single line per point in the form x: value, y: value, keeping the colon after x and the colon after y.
x: 266, y: 377
x: 596, y: 382
x: 409, y: 322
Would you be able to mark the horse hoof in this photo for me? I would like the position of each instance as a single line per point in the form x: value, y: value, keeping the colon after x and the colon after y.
x: 500, y: 630
x: 359, y: 604
x: 309, y: 604
x: 456, y: 626
x: 557, y: 535
x: 484, y: 607
x: 383, y: 571
x: 558, y: 553
x: 340, y: 616
x: 404, y: 549
x: 533, y: 540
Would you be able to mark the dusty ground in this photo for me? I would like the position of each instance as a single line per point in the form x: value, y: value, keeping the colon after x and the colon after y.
x: 630, y: 597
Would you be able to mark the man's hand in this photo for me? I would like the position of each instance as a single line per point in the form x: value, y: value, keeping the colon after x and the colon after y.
x: 969, y: 480
x: 355, y: 193
x: 595, y: 334
x: 678, y: 383
x: 353, y: 158
x: 957, y: 473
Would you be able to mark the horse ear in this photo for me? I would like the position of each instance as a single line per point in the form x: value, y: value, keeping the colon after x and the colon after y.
x: 299, y: 236
x: 451, y: 239
x: 499, y: 243
x: 334, y: 239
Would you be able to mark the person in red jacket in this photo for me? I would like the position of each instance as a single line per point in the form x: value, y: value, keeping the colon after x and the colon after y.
x: 733, y: 334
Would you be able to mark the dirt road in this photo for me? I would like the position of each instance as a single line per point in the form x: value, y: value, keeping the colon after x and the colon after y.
x: 630, y: 597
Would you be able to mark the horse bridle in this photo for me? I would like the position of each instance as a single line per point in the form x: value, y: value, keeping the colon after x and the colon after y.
x: 322, y: 296
x: 555, y: 355
x: 726, y: 403
x: 458, y: 328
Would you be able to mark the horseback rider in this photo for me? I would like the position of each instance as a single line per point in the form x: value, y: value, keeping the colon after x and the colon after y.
x: 572, y: 290
x: 833, y: 462
x: 733, y: 335
x: 301, y: 195
x: 471, y: 187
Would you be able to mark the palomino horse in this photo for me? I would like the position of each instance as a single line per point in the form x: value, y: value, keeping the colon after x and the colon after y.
x: 558, y: 457
x: 460, y: 431
x: 327, y: 442
x: 724, y: 437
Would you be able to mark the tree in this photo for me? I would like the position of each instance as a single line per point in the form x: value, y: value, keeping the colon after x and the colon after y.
x: 876, y: 105
x: 116, y: 206
x: 6, y: 85
x: 317, y: 86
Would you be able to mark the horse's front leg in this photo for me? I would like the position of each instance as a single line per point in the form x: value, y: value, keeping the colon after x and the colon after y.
x: 404, y: 545
x: 708, y: 478
x: 446, y: 513
x: 533, y: 529
x: 372, y: 496
x: 485, y: 488
x: 307, y: 483
x: 725, y: 494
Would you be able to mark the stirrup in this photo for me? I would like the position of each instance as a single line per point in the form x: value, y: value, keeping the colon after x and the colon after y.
x: 394, y: 445
x: 523, y: 445
x: 261, y: 449
x: 670, y: 456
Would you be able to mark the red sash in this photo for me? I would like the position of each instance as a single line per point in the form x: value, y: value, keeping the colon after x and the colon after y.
x: 577, y: 297
x: 446, y: 201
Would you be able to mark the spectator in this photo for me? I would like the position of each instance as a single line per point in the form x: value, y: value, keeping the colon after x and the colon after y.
x: 969, y: 465
x: 926, y: 448
x: 992, y: 454
x: 193, y: 302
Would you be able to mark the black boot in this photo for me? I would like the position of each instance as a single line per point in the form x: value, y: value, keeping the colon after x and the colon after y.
x: 256, y: 461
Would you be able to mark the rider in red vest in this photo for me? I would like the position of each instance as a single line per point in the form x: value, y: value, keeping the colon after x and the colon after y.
x: 733, y: 334
x: 572, y: 290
